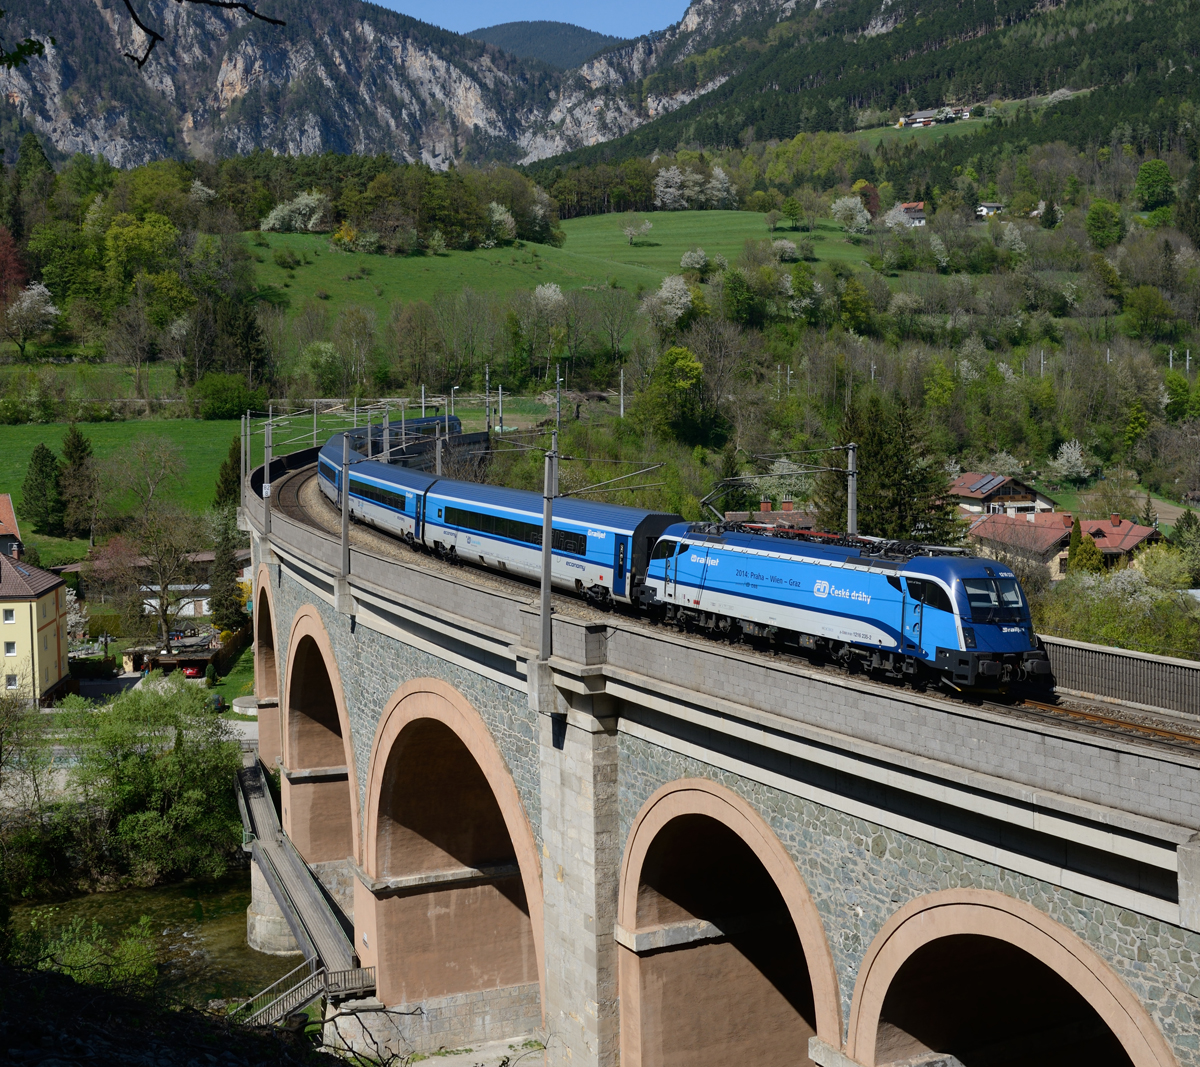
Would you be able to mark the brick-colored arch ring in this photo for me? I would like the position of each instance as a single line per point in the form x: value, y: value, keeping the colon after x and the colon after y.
x: 698, y: 796
x: 262, y: 587
x: 991, y: 914
x: 431, y: 698
x: 307, y: 623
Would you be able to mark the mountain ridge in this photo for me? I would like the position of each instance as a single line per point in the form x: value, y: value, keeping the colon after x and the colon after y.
x: 562, y: 45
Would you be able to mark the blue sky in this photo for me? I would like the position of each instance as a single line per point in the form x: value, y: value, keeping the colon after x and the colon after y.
x: 621, y: 18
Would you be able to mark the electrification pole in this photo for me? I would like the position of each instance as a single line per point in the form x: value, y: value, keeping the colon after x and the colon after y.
x: 852, y: 489
x: 267, y: 483
x: 487, y: 397
x: 345, y: 505
x: 549, y: 492
x: 557, y: 400
x: 622, y: 392
x: 500, y: 413
x: 387, y: 435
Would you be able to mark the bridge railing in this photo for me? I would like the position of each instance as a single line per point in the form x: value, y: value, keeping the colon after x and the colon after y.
x: 1121, y: 674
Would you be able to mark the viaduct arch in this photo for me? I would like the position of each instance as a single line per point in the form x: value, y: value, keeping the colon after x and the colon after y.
x: 988, y: 978
x: 266, y: 670
x: 318, y: 786
x: 722, y: 953
x: 452, y: 877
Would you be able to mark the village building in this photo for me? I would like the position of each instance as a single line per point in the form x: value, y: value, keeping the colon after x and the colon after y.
x: 10, y: 534
x: 997, y: 494
x: 33, y: 631
x: 1043, y: 538
x: 988, y: 208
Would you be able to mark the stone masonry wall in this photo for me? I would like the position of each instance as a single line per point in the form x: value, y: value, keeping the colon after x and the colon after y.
x: 860, y: 874
x: 374, y: 666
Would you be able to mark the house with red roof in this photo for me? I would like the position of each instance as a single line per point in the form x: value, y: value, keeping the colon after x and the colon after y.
x: 1044, y: 537
x: 997, y: 494
x: 10, y: 534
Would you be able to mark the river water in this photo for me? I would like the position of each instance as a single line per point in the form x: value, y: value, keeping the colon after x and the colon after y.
x: 201, y: 933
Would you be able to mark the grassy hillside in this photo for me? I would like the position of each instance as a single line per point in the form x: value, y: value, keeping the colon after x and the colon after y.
x: 595, y: 251
x: 560, y: 44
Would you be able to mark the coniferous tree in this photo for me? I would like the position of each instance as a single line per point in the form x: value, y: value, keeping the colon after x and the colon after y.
x: 1187, y: 529
x: 229, y: 477
x: 1088, y: 557
x: 1074, y: 542
x: 224, y: 601
x: 41, y: 494
x: 1148, y: 516
x: 76, y: 478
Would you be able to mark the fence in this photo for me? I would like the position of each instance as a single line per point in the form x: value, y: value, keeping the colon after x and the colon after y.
x: 1159, y: 682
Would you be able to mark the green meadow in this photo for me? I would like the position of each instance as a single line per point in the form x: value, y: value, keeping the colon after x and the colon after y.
x: 595, y: 253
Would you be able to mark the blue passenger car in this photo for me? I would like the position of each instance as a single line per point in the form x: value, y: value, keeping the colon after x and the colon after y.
x: 599, y: 550
x: 958, y: 616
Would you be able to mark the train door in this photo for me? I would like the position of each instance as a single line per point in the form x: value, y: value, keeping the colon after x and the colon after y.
x: 913, y: 607
x: 619, y: 566
x: 672, y: 562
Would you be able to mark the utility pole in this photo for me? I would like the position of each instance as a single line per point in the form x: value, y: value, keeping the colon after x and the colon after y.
x: 314, y: 424
x: 549, y: 492
x: 356, y: 413
x: 242, y: 465
x: 369, y: 441
x: 500, y: 413
x: 448, y: 399
x: 387, y: 435
x: 777, y: 381
x: 1108, y: 356
x: 345, y: 505
x: 267, y: 483
x: 622, y: 392
x: 557, y: 400
x: 852, y: 489
x: 422, y: 401
x: 487, y: 397
x: 789, y: 379
x: 453, y: 389
x: 438, y: 448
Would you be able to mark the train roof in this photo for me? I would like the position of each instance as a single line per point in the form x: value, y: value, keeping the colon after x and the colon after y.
x: 573, y: 509
x: 946, y: 567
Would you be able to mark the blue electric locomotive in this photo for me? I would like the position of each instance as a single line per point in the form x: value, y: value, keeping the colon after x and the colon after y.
x: 958, y: 616
x: 600, y: 551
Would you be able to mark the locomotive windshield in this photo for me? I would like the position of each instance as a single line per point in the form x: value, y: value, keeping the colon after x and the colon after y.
x: 995, y: 600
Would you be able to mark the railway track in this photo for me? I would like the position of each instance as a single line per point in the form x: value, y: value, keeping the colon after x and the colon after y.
x: 299, y: 498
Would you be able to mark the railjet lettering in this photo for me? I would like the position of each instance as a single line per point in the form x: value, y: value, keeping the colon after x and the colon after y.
x: 702, y: 559
x: 824, y: 589
x: 600, y: 535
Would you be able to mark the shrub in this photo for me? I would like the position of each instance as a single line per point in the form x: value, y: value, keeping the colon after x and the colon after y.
x: 226, y: 396
x: 1104, y: 224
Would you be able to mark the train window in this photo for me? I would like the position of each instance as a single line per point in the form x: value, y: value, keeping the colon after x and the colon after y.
x: 378, y: 495
x: 515, y: 530
x: 994, y: 600
x: 894, y: 582
x: 664, y: 549
x: 328, y: 472
x: 929, y: 593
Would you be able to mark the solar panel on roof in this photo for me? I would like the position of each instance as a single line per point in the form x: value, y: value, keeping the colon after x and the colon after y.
x: 975, y: 487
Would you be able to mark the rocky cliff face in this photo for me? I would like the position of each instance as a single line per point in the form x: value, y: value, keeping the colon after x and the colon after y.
x: 348, y: 77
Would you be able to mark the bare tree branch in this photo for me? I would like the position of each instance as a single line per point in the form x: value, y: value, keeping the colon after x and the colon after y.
x: 155, y: 36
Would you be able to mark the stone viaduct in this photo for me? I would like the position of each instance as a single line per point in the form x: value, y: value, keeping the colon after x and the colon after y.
x: 659, y: 851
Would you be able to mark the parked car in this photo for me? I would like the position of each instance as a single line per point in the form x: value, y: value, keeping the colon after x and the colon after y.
x: 218, y: 703
x: 193, y: 672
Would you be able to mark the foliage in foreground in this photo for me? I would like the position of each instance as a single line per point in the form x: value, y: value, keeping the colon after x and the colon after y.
x: 148, y: 798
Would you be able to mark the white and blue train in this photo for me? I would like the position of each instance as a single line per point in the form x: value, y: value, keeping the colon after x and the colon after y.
x: 919, y: 614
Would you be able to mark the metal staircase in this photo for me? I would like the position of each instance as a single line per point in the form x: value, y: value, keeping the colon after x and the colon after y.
x: 330, y: 968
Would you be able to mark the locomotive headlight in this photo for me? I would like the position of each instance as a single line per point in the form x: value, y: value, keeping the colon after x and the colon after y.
x: 969, y: 636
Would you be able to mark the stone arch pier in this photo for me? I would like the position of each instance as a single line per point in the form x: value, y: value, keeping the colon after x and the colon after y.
x: 318, y: 783
x: 723, y: 956
x: 984, y: 978
x: 450, y: 888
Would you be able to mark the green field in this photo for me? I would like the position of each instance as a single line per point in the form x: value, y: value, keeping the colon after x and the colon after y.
x: 925, y: 135
x: 595, y: 251
x: 88, y: 381
x: 205, y: 445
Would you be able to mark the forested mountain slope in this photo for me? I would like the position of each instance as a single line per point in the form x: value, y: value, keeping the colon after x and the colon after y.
x: 559, y: 44
x: 854, y: 63
x: 351, y: 76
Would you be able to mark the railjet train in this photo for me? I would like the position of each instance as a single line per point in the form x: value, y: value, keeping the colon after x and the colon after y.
x: 908, y: 611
